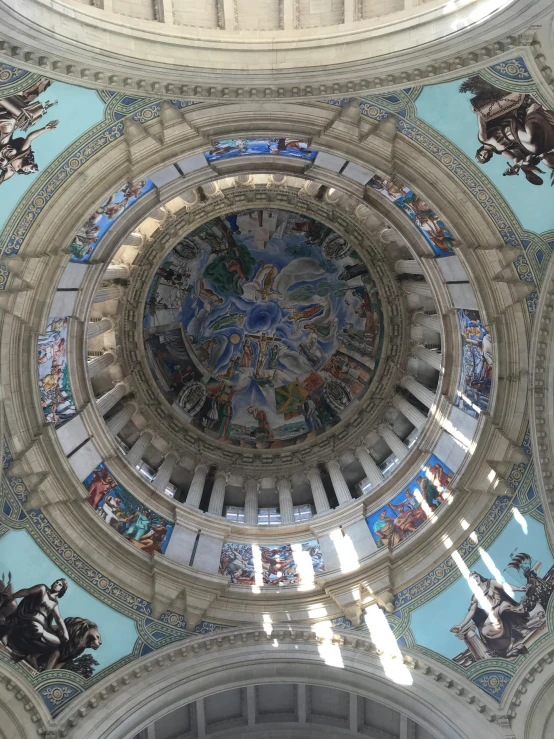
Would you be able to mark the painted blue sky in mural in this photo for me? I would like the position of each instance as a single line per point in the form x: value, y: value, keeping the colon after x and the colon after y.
x: 77, y: 110
x: 449, y: 111
x: 29, y: 566
x: 431, y: 623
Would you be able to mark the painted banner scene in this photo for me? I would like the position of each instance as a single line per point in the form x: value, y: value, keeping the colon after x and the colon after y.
x: 141, y: 526
x: 56, y: 398
x: 477, y: 363
x: 408, y: 510
x: 263, y: 328
x: 88, y: 236
x: 436, y: 233
x: 229, y: 148
x: 282, y: 564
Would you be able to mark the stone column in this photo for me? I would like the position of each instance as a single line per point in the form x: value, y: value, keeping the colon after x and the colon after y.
x: 319, y: 495
x: 134, y: 455
x: 194, y: 495
x: 409, y: 411
x: 96, y: 328
x: 96, y: 365
x: 433, y: 359
x: 110, y: 292
x: 284, y: 488
x: 395, y: 444
x: 418, y: 287
x: 339, y: 483
x: 251, y: 501
x: 372, y: 472
x: 116, y: 271
x: 118, y: 421
x: 163, y: 475
x: 419, y: 391
x: 408, y: 267
x: 109, y: 399
x: 432, y: 322
x: 217, y: 498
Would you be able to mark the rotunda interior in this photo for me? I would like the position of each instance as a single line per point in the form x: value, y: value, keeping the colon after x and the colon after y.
x: 276, y: 332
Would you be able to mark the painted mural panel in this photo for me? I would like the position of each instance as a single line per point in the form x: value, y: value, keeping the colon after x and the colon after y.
x: 411, y: 508
x: 56, y: 397
x: 288, y: 147
x: 501, y: 121
x: 497, y: 609
x: 38, y: 120
x: 280, y: 564
x: 140, y: 525
x: 477, y: 364
x: 263, y: 328
x: 89, y: 235
x: 47, y: 621
x: 435, y: 231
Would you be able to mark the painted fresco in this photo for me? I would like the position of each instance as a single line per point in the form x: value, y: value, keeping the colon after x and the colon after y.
x: 89, y: 235
x: 499, y: 608
x: 18, y: 114
x: 56, y: 397
x: 141, y: 526
x: 263, y: 328
x: 514, y: 125
x: 47, y: 621
x: 289, y: 147
x: 436, y: 233
x: 280, y: 564
x: 477, y: 364
x: 501, y: 122
x: 408, y: 510
x: 39, y: 119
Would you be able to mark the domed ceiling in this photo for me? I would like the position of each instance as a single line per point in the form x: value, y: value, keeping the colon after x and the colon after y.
x: 263, y: 328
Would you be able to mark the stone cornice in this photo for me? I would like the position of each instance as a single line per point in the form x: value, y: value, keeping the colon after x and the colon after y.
x: 238, y: 649
x: 381, y: 57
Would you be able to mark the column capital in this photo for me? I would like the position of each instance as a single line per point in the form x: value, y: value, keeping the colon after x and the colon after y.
x: 287, y: 479
x: 221, y: 473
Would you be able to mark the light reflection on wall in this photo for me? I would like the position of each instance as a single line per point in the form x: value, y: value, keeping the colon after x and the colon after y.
x: 387, y: 647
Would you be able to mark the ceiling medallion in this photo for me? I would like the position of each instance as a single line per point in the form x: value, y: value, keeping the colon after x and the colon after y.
x: 263, y: 328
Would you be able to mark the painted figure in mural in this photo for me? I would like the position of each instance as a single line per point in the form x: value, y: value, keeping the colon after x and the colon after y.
x: 101, y: 484
x: 229, y: 319
x: 500, y: 625
x: 386, y: 529
x: 55, y: 392
x: 34, y: 631
x: 477, y: 359
x: 496, y: 624
x: 263, y: 342
x: 247, y: 358
x: 514, y: 125
x: 21, y: 111
x: 311, y: 416
x: 264, y: 429
x: 261, y: 285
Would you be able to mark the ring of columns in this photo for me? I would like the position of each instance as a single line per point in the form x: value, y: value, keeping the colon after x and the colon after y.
x: 92, y: 360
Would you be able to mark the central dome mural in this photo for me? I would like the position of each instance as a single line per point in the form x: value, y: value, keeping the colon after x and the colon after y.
x: 263, y: 328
